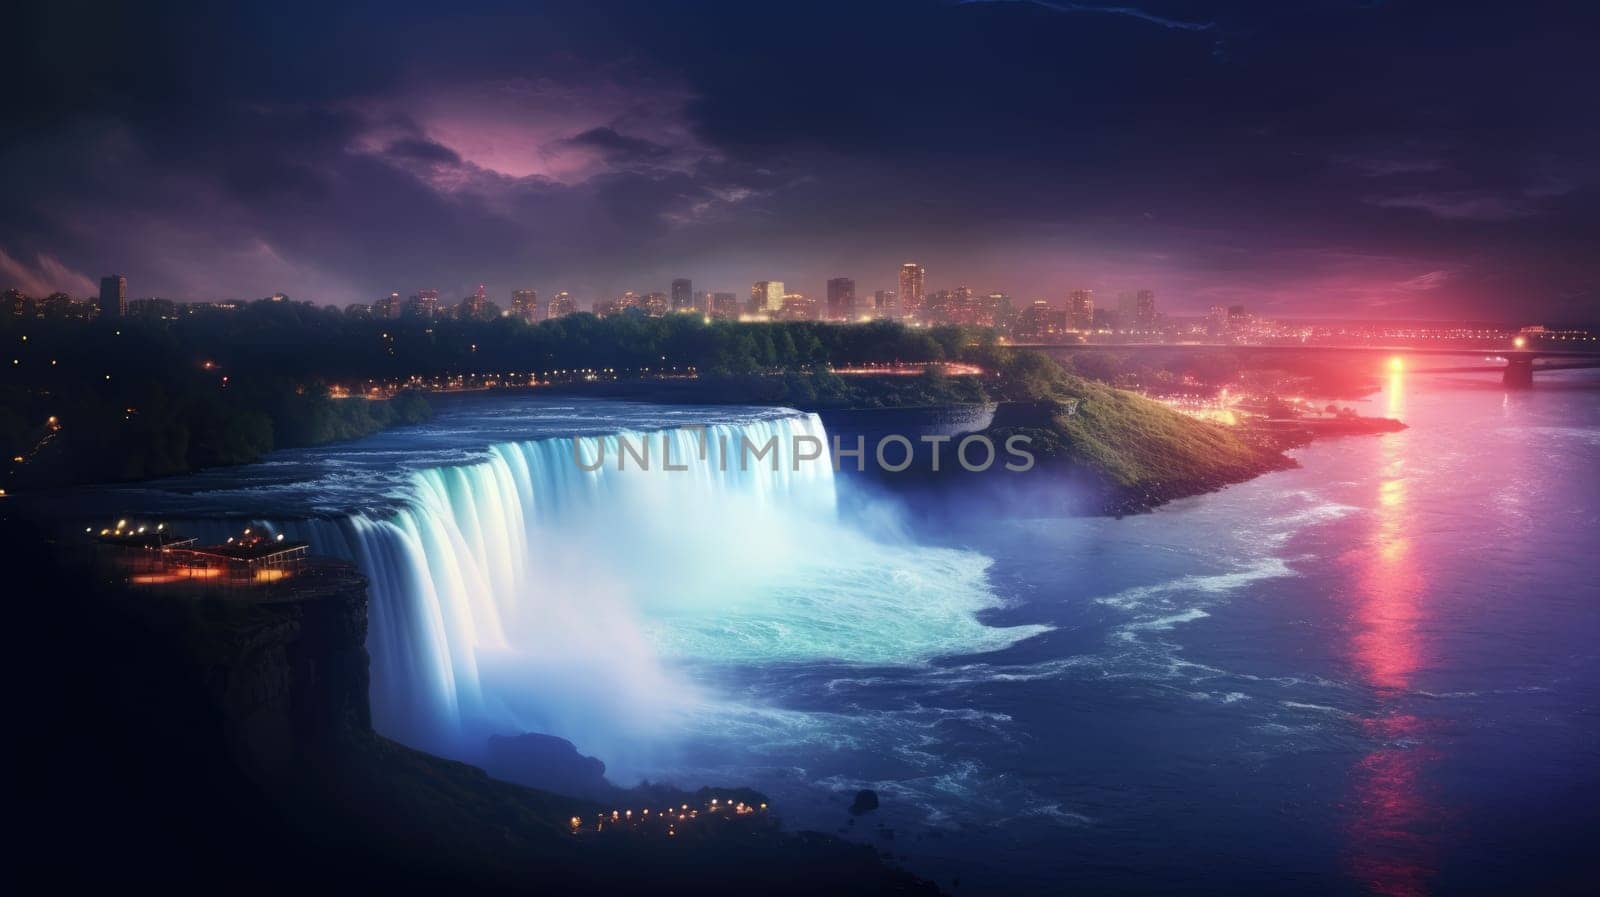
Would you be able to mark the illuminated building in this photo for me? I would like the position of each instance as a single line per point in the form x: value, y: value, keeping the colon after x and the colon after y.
x: 562, y: 305
x: 476, y: 306
x: 1144, y: 313
x: 655, y: 304
x: 113, y: 296
x: 841, y: 298
x: 424, y: 303
x: 387, y: 307
x: 525, y: 305
x: 958, y: 306
x: 994, y: 310
x: 1080, y: 310
x: 885, y: 304
x: 724, y: 305
x: 683, y: 294
x: 910, y: 296
x: 796, y: 307
x: 1039, y: 321
x: 766, y: 297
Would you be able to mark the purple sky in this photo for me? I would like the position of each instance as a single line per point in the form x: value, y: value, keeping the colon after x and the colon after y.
x: 1343, y: 159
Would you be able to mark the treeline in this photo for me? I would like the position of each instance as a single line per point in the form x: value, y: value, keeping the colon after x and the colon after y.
x: 140, y: 427
x: 1181, y: 370
x: 307, y: 342
x: 141, y: 397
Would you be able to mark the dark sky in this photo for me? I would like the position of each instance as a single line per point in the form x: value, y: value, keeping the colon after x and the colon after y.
x: 1346, y: 159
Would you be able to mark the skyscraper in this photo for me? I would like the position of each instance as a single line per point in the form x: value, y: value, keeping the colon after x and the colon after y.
x: 1080, y: 310
x: 911, y: 277
x: 724, y: 305
x: 1145, y: 310
x: 885, y: 304
x: 799, y: 307
x: 525, y: 305
x: 1039, y: 322
x: 841, y: 298
x: 113, y: 296
x: 655, y: 304
x: 475, y: 306
x: 425, y: 303
x: 389, y: 306
x: 562, y: 304
x: 1136, y: 311
x: 766, y: 297
x: 682, y: 294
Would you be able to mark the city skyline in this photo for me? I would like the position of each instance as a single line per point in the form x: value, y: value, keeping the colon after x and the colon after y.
x: 1317, y: 164
x: 1071, y: 311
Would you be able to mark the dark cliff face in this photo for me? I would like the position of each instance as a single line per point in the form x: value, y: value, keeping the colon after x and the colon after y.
x: 287, y: 678
x: 201, y: 742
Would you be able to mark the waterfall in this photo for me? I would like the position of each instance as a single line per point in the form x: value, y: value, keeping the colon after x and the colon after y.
x: 525, y: 592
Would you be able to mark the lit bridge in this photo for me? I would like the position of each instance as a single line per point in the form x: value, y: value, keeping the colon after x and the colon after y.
x: 1516, y: 365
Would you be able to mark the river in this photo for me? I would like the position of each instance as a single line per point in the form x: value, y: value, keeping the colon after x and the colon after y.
x: 1379, y: 673
x: 1376, y: 674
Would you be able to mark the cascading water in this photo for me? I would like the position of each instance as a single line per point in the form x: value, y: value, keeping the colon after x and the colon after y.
x: 527, y: 593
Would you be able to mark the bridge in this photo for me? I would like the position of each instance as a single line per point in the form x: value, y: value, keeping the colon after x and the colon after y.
x: 1515, y: 364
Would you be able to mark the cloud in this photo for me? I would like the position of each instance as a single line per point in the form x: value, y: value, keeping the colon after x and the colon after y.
x: 427, y: 151
x: 1461, y: 205
x: 45, y: 276
x: 567, y: 129
x: 1130, y: 11
x: 619, y: 150
x: 1431, y: 280
x: 1389, y: 165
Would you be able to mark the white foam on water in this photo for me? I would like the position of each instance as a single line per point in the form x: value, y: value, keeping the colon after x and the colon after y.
x: 523, y: 592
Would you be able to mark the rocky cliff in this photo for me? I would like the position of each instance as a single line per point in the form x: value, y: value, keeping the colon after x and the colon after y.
x: 203, y: 740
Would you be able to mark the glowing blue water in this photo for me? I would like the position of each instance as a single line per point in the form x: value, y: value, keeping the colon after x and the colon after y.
x: 524, y: 593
